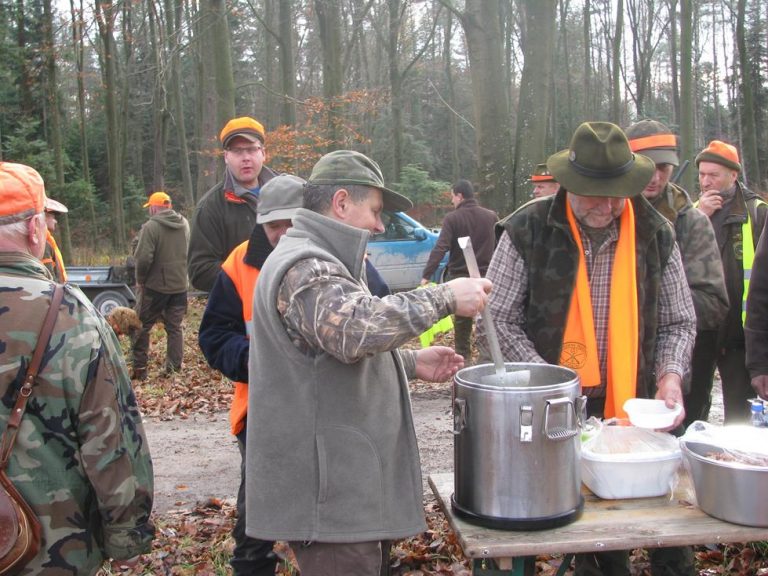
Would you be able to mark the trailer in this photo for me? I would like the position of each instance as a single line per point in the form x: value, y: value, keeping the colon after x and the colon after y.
x: 106, y: 286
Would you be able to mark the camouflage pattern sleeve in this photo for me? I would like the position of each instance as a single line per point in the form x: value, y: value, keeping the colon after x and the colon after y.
x: 81, y: 458
x: 703, y: 268
x: 114, y: 452
x: 323, y: 308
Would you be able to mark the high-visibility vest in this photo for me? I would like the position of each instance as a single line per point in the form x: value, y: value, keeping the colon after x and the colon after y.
x: 244, y: 278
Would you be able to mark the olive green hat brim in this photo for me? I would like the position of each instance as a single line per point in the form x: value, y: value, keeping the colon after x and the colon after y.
x: 624, y: 185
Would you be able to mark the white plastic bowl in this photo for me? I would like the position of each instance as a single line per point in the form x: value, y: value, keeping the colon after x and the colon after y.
x: 653, y: 414
x: 629, y: 462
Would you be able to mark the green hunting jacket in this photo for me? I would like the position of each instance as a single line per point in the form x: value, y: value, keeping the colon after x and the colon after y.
x: 161, y: 253
x: 699, y: 253
x: 81, y: 458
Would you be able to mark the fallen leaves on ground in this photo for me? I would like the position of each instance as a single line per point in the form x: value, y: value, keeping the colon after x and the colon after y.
x: 197, y: 541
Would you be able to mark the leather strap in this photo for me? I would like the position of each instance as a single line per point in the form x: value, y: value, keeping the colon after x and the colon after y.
x: 14, y: 419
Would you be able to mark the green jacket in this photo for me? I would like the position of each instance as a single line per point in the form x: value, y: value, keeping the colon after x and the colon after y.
x: 699, y: 253
x: 729, y: 232
x: 81, y: 458
x: 161, y: 253
x: 552, y: 275
x: 224, y: 218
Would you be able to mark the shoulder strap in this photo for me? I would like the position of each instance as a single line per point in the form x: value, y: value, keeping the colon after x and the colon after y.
x: 14, y: 419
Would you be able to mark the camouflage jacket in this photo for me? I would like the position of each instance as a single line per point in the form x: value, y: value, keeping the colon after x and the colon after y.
x: 81, y: 458
x: 700, y: 255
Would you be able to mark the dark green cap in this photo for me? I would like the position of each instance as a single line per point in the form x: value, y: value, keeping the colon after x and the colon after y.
x: 350, y: 167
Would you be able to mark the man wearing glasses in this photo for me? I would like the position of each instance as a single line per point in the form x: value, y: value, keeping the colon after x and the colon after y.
x: 226, y: 214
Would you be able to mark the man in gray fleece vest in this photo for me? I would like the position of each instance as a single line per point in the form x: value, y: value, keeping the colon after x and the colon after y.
x: 332, y: 463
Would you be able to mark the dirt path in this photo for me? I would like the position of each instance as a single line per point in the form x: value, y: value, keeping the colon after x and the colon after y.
x: 197, y: 459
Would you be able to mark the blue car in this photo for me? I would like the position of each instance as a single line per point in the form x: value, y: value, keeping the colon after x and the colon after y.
x: 402, y: 250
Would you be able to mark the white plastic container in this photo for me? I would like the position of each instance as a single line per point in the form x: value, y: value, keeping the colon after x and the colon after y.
x: 649, y: 413
x: 630, y: 462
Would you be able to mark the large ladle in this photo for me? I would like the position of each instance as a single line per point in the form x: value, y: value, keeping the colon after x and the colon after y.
x: 501, y: 376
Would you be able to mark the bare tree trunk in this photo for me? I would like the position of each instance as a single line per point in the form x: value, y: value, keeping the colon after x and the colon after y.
x: 568, y: 84
x: 530, y: 141
x: 395, y: 87
x: 673, y: 58
x: 55, y: 124
x: 174, y: 14
x: 329, y: 24
x: 687, y: 142
x: 159, y: 100
x: 616, y: 63
x: 451, y: 97
x: 587, y: 22
x: 105, y: 17
x: 484, y: 42
x: 24, y: 61
x: 750, y: 160
x: 287, y: 64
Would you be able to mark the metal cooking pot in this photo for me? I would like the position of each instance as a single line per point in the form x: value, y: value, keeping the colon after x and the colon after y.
x: 730, y: 491
x: 516, y: 445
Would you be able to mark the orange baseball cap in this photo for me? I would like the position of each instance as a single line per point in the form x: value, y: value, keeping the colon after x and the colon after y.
x: 722, y: 153
x: 158, y: 199
x: 245, y: 127
x: 22, y: 192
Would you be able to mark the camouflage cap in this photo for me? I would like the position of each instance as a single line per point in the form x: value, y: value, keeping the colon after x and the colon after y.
x: 599, y: 162
x: 653, y: 139
x: 22, y: 192
x: 280, y: 198
x: 350, y: 167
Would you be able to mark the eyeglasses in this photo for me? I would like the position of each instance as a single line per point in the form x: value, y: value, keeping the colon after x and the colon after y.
x: 245, y: 150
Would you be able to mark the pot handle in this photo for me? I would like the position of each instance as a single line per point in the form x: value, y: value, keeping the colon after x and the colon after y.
x: 459, y: 415
x: 561, y: 432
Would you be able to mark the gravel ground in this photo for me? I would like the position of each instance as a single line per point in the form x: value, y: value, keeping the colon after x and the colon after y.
x: 197, y: 459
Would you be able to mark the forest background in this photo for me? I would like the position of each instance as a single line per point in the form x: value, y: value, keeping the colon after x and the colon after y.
x: 112, y: 100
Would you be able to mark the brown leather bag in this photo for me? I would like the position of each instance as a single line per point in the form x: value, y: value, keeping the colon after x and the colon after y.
x: 20, y: 532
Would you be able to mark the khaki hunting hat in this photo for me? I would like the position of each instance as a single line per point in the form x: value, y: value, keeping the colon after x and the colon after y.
x: 599, y: 162
x: 653, y: 139
x: 280, y: 198
x: 22, y: 192
x: 244, y: 127
x: 350, y: 167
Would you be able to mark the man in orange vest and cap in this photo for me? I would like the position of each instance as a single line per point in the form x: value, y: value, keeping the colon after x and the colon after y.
x: 224, y: 339
x: 738, y: 216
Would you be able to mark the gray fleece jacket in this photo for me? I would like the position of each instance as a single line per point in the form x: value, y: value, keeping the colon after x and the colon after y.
x: 331, y: 448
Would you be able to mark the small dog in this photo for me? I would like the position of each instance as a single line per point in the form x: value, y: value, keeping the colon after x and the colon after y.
x: 124, y: 320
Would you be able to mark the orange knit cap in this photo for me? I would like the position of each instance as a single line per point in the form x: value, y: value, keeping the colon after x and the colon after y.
x: 22, y: 192
x: 244, y: 126
x: 720, y: 153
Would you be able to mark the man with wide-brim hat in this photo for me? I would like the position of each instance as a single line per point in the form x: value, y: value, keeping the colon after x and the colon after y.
x: 331, y: 458
x: 738, y: 216
x: 591, y: 279
x: 544, y: 184
x: 698, y: 250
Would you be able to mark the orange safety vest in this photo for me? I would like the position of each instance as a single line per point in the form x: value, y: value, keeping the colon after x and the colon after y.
x: 244, y: 278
